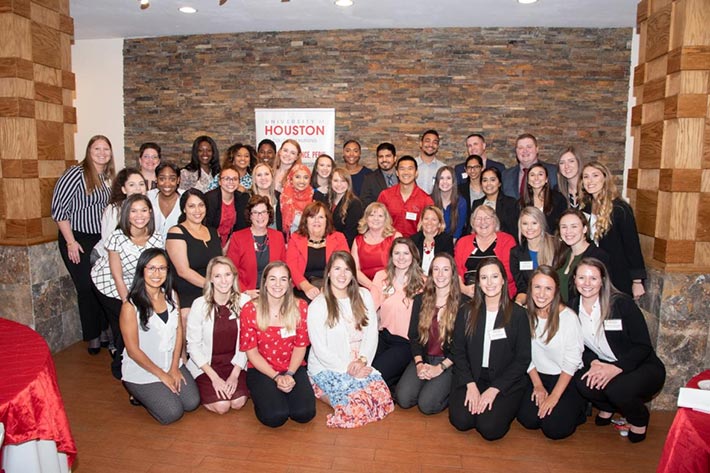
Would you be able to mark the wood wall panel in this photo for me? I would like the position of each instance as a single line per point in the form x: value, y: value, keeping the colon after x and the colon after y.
x: 702, y: 231
x: 14, y: 36
x: 658, y: 34
x: 684, y: 216
x: 48, y: 93
x: 648, y: 179
x: 693, y: 19
x: 679, y: 180
x: 645, y: 210
x: 654, y: 90
x: 653, y: 112
x: 46, y: 47
x: 18, y: 139
x: 651, y: 145
x: 44, y: 16
x: 50, y: 140
x: 674, y: 252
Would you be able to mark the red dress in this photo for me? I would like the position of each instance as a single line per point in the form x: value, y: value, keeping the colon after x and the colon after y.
x: 373, y: 258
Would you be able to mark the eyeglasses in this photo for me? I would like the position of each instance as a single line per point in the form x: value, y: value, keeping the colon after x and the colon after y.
x: 157, y: 269
x: 259, y: 212
x: 472, y: 168
x: 482, y: 219
x: 229, y: 179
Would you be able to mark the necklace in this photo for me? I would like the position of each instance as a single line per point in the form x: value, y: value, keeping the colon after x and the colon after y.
x: 316, y: 242
x: 428, y: 248
x: 260, y: 247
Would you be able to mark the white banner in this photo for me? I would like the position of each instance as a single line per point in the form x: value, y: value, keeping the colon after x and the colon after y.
x: 313, y: 128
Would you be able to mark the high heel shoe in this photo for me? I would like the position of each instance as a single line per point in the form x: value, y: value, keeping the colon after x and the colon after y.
x: 134, y: 402
x: 602, y: 421
x: 636, y: 438
x: 93, y: 351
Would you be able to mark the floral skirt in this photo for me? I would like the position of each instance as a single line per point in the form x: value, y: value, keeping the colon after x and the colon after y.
x: 355, y: 402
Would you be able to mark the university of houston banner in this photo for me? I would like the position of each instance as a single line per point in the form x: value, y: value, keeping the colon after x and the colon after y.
x: 313, y: 128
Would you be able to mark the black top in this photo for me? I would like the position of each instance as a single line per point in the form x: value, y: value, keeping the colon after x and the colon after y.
x: 592, y: 251
x: 348, y: 225
x: 417, y: 347
x: 443, y: 243
x: 520, y: 258
x: 261, y: 249
x: 315, y: 264
x: 372, y: 184
x: 509, y: 357
x: 214, y: 209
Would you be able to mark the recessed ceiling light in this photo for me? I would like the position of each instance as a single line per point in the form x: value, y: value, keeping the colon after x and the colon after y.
x: 187, y: 10
x: 527, y: 2
x: 344, y: 3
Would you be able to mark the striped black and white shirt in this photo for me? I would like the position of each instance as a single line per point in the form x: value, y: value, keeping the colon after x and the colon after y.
x: 71, y: 202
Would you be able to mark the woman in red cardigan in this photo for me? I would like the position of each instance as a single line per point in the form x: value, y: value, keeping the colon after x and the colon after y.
x: 310, y: 248
x: 253, y: 248
x: 485, y: 241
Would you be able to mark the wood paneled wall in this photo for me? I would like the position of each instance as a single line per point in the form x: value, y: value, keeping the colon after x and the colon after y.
x: 669, y: 180
x: 37, y: 119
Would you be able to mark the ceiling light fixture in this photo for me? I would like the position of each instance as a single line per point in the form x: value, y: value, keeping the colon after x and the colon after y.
x: 145, y: 4
x: 527, y: 2
x: 344, y: 3
x: 187, y: 10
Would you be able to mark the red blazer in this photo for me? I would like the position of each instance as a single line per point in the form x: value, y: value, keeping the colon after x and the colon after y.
x: 504, y: 242
x: 241, y: 252
x: 297, y: 253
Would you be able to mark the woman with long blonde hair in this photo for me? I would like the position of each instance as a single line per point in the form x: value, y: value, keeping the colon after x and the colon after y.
x: 427, y: 380
x: 264, y: 184
x: 371, y: 247
x: 273, y: 333
x: 216, y: 362
x: 613, y: 228
x: 288, y: 155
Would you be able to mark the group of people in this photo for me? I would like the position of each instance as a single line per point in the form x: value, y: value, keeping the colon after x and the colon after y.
x: 496, y: 293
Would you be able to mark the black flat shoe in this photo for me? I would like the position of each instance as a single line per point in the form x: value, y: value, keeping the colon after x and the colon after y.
x: 602, y: 421
x: 636, y: 438
x: 93, y: 351
x: 134, y: 402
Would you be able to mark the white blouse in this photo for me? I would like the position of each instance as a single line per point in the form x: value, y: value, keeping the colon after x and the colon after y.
x: 564, y: 352
x: 593, y: 333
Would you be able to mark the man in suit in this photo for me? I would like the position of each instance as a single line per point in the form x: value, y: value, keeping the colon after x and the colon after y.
x: 476, y: 144
x: 515, y: 178
x: 383, y: 178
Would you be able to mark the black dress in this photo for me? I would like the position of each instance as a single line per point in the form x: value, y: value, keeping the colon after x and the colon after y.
x: 199, y: 254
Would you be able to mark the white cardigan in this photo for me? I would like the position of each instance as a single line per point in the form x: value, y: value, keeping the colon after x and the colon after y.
x: 199, y: 337
x: 330, y: 347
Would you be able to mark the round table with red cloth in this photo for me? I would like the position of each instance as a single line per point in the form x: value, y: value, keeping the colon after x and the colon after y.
x: 31, y: 406
x: 687, y: 447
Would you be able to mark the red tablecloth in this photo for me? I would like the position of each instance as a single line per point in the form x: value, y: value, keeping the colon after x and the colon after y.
x: 687, y: 448
x: 31, y: 406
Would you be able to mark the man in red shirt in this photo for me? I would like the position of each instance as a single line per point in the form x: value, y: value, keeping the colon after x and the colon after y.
x: 405, y: 201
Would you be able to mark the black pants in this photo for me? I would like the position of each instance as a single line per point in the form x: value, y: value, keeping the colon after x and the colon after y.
x: 112, y: 312
x: 492, y: 424
x: 628, y: 392
x: 392, y: 357
x: 565, y: 416
x: 274, y: 407
x: 92, y: 323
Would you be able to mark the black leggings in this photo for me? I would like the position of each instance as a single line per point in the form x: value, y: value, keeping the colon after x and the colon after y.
x: 564, y: 418
x: 393, y: 355
x: 112, y: 312
x: 92, y: 322
x: 273, y: 407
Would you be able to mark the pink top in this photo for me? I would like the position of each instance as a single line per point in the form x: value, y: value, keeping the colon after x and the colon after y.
x: 274, y: 344
x: 392, y: 304
x: 373, y: 258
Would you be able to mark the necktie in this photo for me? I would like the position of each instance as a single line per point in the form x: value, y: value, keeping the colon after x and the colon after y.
x: 523, y: 182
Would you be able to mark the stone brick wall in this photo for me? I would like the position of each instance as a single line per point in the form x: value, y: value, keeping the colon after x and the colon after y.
x: 566, y: 86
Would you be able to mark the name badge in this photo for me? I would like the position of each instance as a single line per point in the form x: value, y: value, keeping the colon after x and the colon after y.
x: 613, y: 325
x: 286, y: 334
x: 410, y: 216
x: 464, y: 175
x: 497, y: 334
x: 526, y: 266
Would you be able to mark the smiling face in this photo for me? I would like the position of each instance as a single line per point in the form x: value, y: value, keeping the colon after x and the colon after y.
x: 543, y: 290
x: 288, y: 154
x: 195, y: 210
x: 568, y: 165
x: 263, y: 177
x: 588, y: 281
x: 100, y: 154
x: 429, y: 145
x: 593, y: 180
x: 490, y: 280
x: 229, y: 180
x: 204, y: 153
x: 490, y: 184
x: 537, y: 177
x: 446, y: 181
x: 168, y: 182
x: 135, y: 184
x: 376, y: 220
x: 401, y: 256
x: 277, y: 282
x: 441, y: 272
x: 526, y: 151
x: 430, y: 223
x: 222, y: 279
x: 340, y: 276
x: 155, y: 272
x: 406, y: 172
x: 572, y: 230
x: 259, y: 217
x: 301, y: 180
x: 315, y: 224
x: 529, y: 227
x: 475, y: 145
x: 473, y: 169
x: 149, y: 160
x: 324, y: 166
x: 385, y: 159
x: 266, y: 154
x: 139, y: 215
x: 484, y: 225
x: 339, y: 184
x: 351, y: 153
x: 242, y: 159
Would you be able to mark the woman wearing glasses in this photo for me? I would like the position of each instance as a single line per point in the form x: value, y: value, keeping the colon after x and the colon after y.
x: 225, y: 205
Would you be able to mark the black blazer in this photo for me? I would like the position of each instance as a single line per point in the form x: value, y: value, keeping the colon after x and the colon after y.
x: 632, y: 344
x: 507, y: 210
x: 416, y: 346
x: 372, y: 185
x: 348, y: 226
x: 508, y: 359
x: 522, y: 277
x: 443, y: 243
x: 621, y: 242
x: 214, y: 209
x: 592, y: 251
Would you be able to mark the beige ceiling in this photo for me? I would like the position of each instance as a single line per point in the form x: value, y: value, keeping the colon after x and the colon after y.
x: 97, y: 19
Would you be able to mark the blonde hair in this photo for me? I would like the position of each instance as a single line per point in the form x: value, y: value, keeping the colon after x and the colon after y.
x: 603, y: 205
x: 548, y: 245
x: 346, y: 198
x: 388, y: 229
x: 290, y: 315
x: 486, y: 210
x: 277, y: 165
x: 208, y: 288
x: 439, y: 215
x: 271, y: 191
